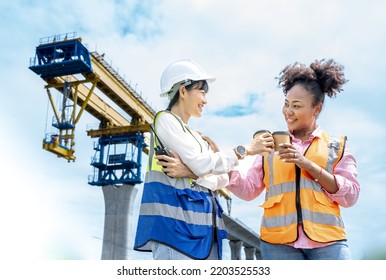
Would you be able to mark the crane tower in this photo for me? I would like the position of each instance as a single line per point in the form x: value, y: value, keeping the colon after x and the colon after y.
x: 67, y: 67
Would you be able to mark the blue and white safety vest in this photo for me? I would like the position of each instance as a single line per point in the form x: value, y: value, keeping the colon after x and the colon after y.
x: 178, y: 213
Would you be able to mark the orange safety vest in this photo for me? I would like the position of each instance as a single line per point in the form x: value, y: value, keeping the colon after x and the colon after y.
x: 293, y: 197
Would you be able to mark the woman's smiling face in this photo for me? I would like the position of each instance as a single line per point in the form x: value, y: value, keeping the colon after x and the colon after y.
x: 298, y: 111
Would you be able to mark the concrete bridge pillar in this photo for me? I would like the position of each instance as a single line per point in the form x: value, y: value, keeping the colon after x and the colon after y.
x: 235, y: 246
x: 249, y: 253
x: 119, y: 202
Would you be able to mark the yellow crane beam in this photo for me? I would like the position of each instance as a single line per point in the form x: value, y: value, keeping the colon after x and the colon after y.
x: 119, y: 91
x: 95, y: 104
x: 112, y: 122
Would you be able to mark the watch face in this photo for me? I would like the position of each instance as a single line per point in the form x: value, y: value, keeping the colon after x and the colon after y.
x: 241, y: 150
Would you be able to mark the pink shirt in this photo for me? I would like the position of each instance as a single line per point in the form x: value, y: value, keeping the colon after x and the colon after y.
x: 249, y: 186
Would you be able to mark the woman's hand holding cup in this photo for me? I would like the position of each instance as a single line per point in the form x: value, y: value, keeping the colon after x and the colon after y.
x: 262, y: 142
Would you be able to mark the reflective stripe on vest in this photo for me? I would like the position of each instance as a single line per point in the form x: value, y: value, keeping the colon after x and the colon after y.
x: 182, y: 208
x: 287, y: 204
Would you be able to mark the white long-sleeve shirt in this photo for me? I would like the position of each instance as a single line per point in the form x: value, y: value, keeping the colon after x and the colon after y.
x: 210, y: 167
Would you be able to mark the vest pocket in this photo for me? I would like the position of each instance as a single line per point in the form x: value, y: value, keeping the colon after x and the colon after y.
x: 272, y: 206
x: 194, y: 213
x: 321, y: 198
x: 271, y: 201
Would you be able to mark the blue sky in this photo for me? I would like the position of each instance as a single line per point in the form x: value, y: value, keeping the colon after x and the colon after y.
x: 48, y: 209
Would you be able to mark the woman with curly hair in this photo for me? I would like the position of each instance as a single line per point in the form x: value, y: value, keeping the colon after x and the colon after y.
x: 308, y: 180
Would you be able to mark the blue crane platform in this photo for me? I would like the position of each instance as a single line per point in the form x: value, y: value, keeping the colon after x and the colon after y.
x: 60, y: 55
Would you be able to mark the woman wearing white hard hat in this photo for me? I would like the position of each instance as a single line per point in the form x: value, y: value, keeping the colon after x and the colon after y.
x: 180, y: 215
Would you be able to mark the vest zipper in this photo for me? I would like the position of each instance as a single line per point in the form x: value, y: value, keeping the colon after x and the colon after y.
x: 298, y: 204
x: 298, y: 173
x: 214, y: 214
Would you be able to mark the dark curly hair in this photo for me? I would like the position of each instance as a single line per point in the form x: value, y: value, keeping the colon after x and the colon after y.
x: 322, y: 77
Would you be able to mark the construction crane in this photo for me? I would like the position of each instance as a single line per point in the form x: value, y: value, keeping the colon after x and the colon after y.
x: 67, y: 66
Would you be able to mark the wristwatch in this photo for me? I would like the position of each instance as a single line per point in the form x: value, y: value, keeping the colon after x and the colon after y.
x: 241, y: 151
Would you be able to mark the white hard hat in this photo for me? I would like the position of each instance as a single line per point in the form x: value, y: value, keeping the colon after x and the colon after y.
x: 179, y: 72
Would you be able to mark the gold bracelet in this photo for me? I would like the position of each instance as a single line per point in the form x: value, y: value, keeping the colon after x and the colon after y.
x: 320, y: 174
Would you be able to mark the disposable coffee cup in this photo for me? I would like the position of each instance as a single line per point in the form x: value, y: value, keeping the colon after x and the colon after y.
x: 258, y: 134
x: 280, y: 137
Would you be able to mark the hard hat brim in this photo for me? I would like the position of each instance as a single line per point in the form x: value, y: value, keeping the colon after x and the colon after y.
x: 170, y: 93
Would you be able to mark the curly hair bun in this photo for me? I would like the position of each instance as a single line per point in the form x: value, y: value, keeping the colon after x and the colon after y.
x: 328, y: 74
